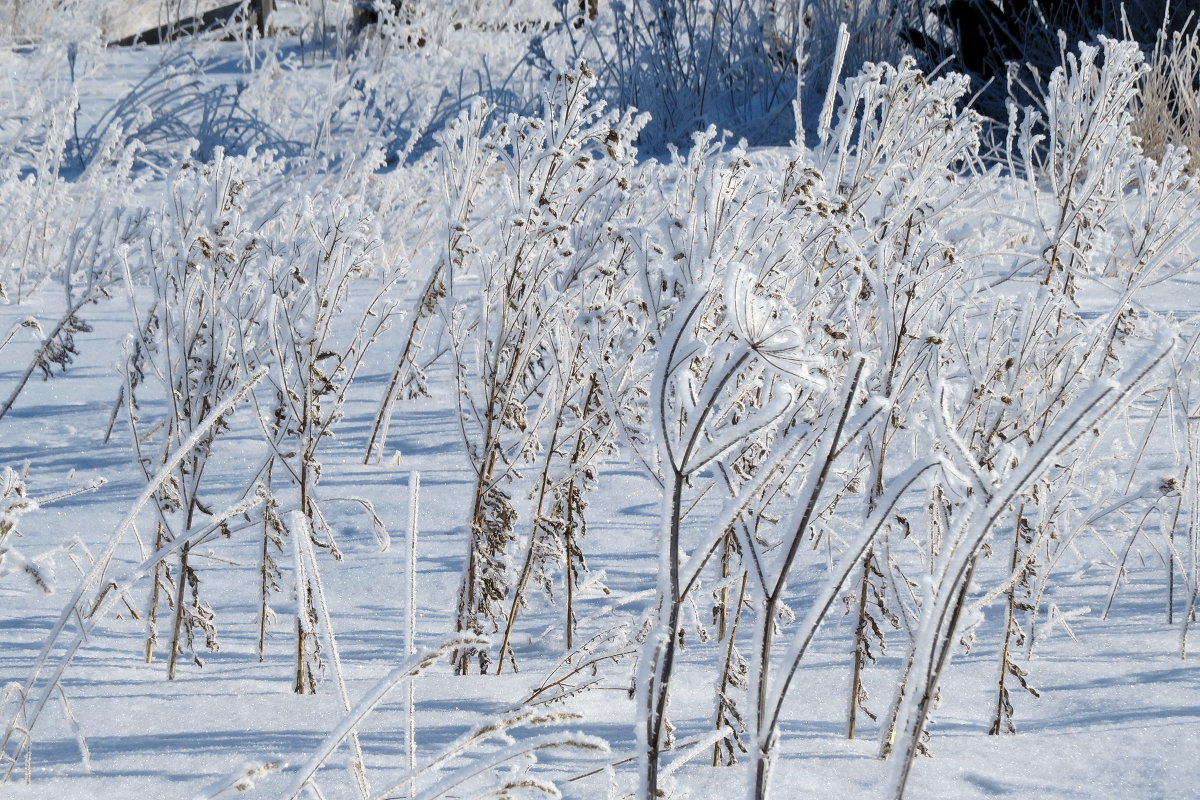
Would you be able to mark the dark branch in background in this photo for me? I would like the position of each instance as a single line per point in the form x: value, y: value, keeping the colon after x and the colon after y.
x: 245, y: 13
x: 983, y: 37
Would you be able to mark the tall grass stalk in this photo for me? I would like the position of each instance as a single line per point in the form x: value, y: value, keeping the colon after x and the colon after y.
x: 935, y: 638
x: 87, y: 612
x: 410, y: 731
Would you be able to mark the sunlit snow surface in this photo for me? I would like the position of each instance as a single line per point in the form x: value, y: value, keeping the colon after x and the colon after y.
x: 1119, y: 711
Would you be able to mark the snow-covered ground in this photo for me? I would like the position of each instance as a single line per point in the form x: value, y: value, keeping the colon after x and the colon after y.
x: 589, y: 328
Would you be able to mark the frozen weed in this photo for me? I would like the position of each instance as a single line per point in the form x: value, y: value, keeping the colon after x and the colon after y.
x: 204, y: 264
x: 859, y: 375
x: 515, y: 344
x: 494, y: 750
x: 175, y: 113
x: 37, y: 571
x: 1167, y: 113
x: 98, y: 592
x: 326, y: 246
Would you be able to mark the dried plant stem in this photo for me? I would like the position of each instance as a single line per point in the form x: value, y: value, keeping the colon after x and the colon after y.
x: 663, y: 653
x: 774, y: 595
x: 570, y: 577
x: 726, y: 670
x: 1003, y: 714
x: 410, y: 731
x: 39, y: 357
x: 518, y: 592
x: 179, y: 597
x: 941, y: 655
x: 28, y: 710
x: 430, y: 298
x: 466, y: 620
x: 860, y: 633
x: 185, y: 577
x: 314, y: 584
x: 272, y: 530
x: 571, y: 549
x: 160, y: 575
x: 305, y: 680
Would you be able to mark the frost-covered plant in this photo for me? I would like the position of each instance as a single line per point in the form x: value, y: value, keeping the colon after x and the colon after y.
x: 1024, y: 568
x: 1183, y: 551
x: 872, y: 26
x: 996, y: 488
x: 1079, y: 162
x: 171, y: 114
x: 893, y: 158
x: 1143, y: 238
x: 324, y: 245
x: 204, y: 263
x: 875, y: 215
x: 730, y: 63
x: 993, y: 42
x: 710, y: 392
x: 580, y: 434
x: 98, y: 591
x: 31, y: 191
x: 507, y: 770
x: 514, y: 343
x: 462, y: 161
x: 56, y: 230
x: 1036, y: 375
x: 15, y: 502
x: 1167, y: 112
x: 741, y: 355
x: 858, y: 374
x: 757, y: 334
x: 593, y: 349
x: 368, y: 102
x: 86, y: 261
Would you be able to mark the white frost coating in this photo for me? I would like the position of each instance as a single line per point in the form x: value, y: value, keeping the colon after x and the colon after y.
x: 410, y: 727
x: 731, y: 436
x: 930, y: 645
x: 25, y: 717
x: 825, y: 123
x: 412, y: 666
x: 895, y: 239
x: 802, y: 637
x: 768, y: 325
x: 567, y: 740
x: 703, y: 744
x: 672, y: 356
x: 963, y: 464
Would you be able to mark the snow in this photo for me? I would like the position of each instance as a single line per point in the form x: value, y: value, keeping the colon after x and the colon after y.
x: 383, y: 170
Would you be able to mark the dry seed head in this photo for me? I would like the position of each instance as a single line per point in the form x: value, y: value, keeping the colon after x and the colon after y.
x: 552, y: 719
